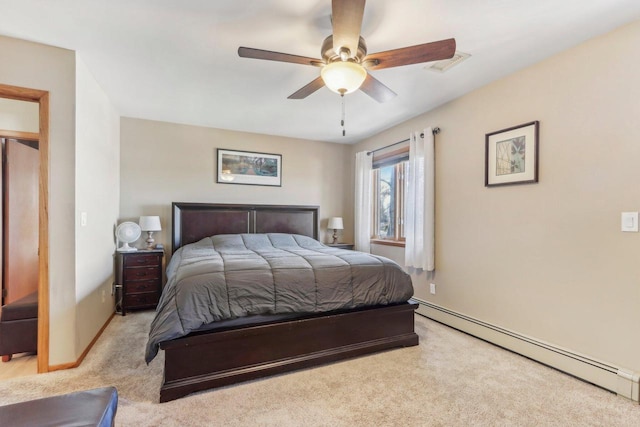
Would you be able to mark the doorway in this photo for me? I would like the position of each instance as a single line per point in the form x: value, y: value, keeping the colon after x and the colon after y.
x: 20, y: 161
x: 42, y: 98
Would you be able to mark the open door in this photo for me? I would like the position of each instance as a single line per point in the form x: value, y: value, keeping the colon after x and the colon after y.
x: 20, y: 213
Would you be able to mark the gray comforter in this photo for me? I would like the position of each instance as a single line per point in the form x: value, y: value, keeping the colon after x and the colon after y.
x: 233, y: 275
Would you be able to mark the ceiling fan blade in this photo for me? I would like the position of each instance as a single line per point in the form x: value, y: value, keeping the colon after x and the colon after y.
x: 248, y: 52
x: 377, y: 90
x: 427, y: 52
x: 308, y: 89
x: 347, y: 20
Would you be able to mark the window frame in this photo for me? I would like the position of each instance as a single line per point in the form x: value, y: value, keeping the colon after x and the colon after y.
x: 399, y: 159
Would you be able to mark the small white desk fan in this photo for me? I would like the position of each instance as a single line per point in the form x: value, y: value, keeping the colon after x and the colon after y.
x: 127, y: 232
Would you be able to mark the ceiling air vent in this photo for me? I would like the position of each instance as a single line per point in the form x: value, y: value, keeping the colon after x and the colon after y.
x: 442, y: 66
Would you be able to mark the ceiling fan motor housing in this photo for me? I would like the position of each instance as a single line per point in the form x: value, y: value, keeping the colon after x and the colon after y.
x: 329, y: 55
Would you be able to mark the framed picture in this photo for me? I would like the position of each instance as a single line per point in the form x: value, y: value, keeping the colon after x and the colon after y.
x: 249, y: 168
x: 511, y: 155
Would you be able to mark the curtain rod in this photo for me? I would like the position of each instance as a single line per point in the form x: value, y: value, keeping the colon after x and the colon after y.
x: 435, y: 131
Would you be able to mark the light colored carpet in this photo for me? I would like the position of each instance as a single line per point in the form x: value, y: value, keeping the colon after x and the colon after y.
x: 450, y: 379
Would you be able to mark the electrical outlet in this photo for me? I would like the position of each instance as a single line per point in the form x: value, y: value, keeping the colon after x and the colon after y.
x: 432, y: 288
x: 104, y: 295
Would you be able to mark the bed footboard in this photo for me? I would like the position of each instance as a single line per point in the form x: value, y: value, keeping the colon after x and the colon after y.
x: 219, y: 358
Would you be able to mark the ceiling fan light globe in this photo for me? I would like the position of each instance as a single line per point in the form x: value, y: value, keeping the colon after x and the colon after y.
x: 343, y: 76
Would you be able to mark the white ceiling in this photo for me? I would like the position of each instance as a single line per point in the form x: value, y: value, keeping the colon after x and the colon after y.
x: 177, y: 61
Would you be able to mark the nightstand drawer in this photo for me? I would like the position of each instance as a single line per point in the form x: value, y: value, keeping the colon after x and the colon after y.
x: 141, y: 300
x: 142, y: 260
x: 141, y: 286
x: 141, y: 273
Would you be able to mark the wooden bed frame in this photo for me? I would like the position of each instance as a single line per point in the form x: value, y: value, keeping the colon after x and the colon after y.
x: 210, y: 359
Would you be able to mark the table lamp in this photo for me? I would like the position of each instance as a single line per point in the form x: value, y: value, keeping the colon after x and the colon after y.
x: 150, y: 224
x: 335, y: 224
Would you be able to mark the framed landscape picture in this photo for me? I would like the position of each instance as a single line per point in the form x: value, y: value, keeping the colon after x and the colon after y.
x: 249, y: 168
x: 511, y: 155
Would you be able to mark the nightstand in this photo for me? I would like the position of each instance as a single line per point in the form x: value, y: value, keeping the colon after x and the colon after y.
x: 348, y: 246
x: 138, y: 279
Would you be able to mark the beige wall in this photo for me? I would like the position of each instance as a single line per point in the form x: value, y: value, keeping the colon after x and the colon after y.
x: 162, y: 163
x: 18, y: 115
x: 98, y: 195
x: 547, y: 260
x: 83, y: 173
x: 42, y: 67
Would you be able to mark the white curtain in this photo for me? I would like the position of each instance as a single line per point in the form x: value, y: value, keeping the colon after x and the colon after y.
x: 363, y: 202
x: 419, y: 227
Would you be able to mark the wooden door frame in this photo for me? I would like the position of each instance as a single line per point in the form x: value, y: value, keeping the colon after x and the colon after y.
x: 42, y: 98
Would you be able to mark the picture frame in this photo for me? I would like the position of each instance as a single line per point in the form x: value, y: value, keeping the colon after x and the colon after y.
x: 248, y: 168
x: 511, y: 155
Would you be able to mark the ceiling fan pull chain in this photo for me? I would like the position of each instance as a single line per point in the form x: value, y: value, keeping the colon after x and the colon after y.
x: 343, y: 114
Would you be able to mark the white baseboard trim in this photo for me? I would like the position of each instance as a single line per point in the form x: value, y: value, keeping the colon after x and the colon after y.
x: 618, y: 380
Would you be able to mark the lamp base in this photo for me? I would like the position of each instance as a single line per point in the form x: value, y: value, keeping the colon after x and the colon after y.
x: 150, y: 241
x: 335, y: 236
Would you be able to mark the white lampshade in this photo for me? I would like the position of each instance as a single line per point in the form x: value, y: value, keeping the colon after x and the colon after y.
x: 343, y: 76
x: 150, y: 223
x: 335, y: 223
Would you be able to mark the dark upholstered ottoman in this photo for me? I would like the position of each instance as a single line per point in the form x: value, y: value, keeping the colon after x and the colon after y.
x: 84, y: 408
x: 19, y: 327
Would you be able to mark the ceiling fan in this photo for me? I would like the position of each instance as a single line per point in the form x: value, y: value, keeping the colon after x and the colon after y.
x: 345, y: 63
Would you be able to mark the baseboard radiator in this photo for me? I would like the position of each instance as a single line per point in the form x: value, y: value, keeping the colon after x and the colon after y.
x: 618, y: 380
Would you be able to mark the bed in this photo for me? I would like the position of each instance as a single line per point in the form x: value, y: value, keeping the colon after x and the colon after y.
x: 237, y: 347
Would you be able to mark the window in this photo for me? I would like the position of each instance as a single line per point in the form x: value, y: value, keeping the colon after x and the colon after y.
x: 389, y: 190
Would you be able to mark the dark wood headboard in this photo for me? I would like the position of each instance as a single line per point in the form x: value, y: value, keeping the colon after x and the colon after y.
x: 195, y: 221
